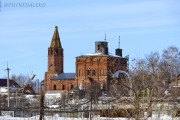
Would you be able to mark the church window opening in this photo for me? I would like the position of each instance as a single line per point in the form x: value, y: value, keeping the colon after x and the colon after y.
x: 88, y: 72
x: 72, y: 87
x: 56, y: 52
x: 98, y: 47
x: 54, y: 87
x: 93, y: 72
x: 63, y: 87
x: 80, y: 72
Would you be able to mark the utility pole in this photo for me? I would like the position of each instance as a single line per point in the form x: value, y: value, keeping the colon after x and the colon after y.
x: 38, y: 87
x: 7, y: 83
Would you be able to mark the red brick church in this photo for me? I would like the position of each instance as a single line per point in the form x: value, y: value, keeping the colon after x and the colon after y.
x: 95, y: 66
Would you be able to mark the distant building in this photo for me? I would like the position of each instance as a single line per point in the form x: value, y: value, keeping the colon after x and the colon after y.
x: 96, y: 67
x: 175, y: 86
x: 3, y: 85
x: 12, y: 83
x: 55, y: 78
x: 89, y: 67
x: 175, y: 82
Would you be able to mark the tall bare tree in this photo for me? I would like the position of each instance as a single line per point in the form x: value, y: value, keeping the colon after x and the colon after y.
x: 149, y: 78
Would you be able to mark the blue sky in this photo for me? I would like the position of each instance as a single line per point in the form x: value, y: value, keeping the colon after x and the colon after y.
x: 26, y: 32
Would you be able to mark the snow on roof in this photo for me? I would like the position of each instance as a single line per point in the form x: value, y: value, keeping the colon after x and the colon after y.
x: 94, y: 54
x: 116, y: 74
x: 115, y: 55
x: 100, y: 54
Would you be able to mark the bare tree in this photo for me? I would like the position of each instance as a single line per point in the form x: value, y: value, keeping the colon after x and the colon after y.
x: 149, y: 77
x: 20, y: 79
x: 170, y: 63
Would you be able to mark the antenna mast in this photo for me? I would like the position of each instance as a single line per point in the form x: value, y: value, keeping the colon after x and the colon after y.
x: 105, y: 37
x: 7, y: 69
x: 119, y: 42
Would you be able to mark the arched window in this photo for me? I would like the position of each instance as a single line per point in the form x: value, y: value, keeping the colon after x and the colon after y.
x: 72, y: 87
x: 98, y: 47
x: 56, y: 52
x: 79, y: 72
x: 54, y: 87
x: 63, y: 87
x: 88, y: 72
x: 94, y: 72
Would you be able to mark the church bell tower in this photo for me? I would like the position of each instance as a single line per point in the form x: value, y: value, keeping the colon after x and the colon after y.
x: 55, y: 54
x: 55, y: 60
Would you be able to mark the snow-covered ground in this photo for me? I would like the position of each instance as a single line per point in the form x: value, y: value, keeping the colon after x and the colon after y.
x: 3, y: 90
x: 165, y: 117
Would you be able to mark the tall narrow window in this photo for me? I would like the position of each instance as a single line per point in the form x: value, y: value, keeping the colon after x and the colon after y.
x: 93, y: 72
x: 98, y: 47
x: 54, y: 87
x: 88, y: 72
x: 63, y: 87
x: 79, y: 72
x: 72, y: 87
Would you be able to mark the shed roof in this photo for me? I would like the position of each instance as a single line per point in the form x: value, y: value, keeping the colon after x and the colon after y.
x: 63, y: 76
x: 12, y: 83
